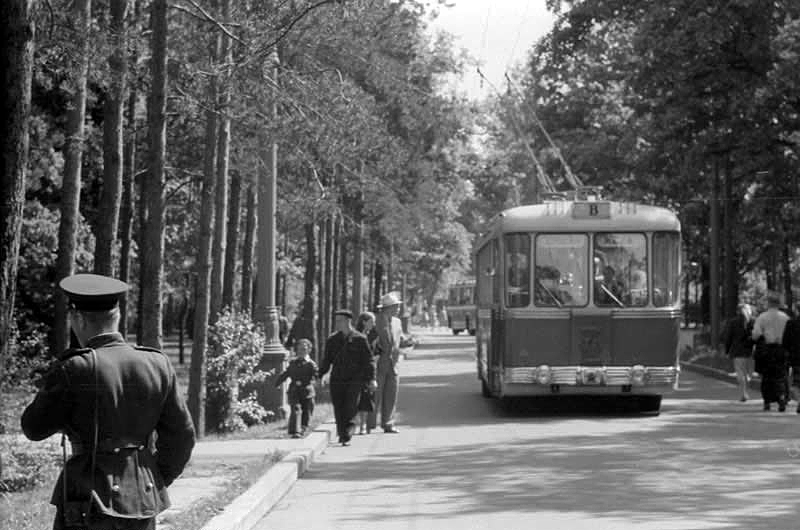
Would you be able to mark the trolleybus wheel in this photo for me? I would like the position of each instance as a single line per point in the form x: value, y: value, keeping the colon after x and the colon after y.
x: 472, y: 332
x: 456, y: 331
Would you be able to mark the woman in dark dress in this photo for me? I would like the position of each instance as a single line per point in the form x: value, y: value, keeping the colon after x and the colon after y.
x: 366, y: 404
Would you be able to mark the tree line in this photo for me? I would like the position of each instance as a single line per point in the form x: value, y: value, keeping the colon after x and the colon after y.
x: 142, y: 133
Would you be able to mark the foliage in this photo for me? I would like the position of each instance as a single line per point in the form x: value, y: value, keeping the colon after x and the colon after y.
x: 235, y: 350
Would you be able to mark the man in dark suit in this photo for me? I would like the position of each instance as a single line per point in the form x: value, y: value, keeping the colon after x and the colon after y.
x: 109, y: 397
x: 353, y: 368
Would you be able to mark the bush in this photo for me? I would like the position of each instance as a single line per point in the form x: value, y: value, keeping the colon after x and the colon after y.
x: 235, y: 349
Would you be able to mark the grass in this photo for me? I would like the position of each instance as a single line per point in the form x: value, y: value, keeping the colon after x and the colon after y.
x: 31, y: 468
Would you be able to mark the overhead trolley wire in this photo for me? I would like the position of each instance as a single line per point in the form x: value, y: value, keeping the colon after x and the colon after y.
x: 544, y: 180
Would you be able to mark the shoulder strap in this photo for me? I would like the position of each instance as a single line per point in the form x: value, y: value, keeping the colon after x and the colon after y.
x: 95, y: 416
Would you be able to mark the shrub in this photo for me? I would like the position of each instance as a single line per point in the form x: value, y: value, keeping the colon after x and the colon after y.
x: 236, y: 346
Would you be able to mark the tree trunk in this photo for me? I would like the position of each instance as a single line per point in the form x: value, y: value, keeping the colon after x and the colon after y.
x: 247, y: 251
x: 140, y: 240
x: 197, y: 368
x: 336, y: 244
x: 126, y: 207
x: 71, y: 184
x: 342, y: 281
x: 153, y: 193
x: 786, y: 270
x: 305, y: 328
x: 358, y: 269
x: 378, y: 282
x: 714, y: 260
x: 326, y: 240
x: 229, y: 278
x: 730, y: 278
x: 108, y: 214
x: 224, y: 57
x: 17, y: 30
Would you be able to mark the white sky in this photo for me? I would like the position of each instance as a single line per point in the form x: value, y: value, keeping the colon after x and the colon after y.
x: 496, y: 32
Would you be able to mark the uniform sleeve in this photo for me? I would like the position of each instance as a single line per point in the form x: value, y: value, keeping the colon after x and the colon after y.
x: 176, y: 435
x: 50, y: 409
x: 330, y: 345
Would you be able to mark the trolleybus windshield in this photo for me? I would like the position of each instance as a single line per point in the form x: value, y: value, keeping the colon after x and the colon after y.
x: 620, y: 270
x: 561, y: 270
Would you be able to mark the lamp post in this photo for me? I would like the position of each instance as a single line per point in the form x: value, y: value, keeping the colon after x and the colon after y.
x: 265, y: 312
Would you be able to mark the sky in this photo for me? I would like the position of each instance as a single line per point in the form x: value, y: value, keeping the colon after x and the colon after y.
x: 498, y: 33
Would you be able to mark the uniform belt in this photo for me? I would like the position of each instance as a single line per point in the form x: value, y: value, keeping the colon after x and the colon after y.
x: 107, y: 447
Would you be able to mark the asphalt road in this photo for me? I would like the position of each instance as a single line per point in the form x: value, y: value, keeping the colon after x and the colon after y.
x: 462, y: 462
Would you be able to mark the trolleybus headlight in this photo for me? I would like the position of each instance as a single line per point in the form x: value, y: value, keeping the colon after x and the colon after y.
x: 543, y: 375
x: 638, y: 374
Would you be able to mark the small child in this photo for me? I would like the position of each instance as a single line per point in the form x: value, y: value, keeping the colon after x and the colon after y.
x: 302, y: 371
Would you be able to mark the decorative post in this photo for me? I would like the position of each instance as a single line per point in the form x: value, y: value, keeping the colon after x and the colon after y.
x: 264, y: 310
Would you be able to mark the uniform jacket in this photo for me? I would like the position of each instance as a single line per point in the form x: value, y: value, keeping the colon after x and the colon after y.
x: 302, y: 372
x: 137, y: 394
x: 351, y: 358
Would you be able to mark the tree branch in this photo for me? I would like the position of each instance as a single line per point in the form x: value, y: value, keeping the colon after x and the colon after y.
x: 207, y: 17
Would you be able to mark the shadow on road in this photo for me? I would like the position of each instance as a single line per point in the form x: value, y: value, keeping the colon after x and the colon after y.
x: 704, y: 463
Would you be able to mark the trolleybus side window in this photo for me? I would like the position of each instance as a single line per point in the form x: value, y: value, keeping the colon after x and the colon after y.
x: 518, y: 277
x: 560, y: 276
x: 620, y: 270
x: 666, y: 265
x: 486, y: 276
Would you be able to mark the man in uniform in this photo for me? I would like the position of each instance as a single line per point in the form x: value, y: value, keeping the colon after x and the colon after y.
x: 348, y: 352
x: 109, y: 397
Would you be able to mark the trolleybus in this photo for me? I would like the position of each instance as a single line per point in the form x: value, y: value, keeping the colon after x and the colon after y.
x: 579, y: 297
x: 461, y: 307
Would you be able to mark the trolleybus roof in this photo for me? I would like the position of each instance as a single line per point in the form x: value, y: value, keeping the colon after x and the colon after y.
x: 580, y: 216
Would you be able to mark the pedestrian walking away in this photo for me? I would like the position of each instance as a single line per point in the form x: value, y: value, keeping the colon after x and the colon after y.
x: 390, y: 340
x: 770, y: 359
x: 109, y: 397
x: 350, y: 361
x: 365, y: 323
x: 301, y: 372
x: 738, y: 342
x: 791, y: 343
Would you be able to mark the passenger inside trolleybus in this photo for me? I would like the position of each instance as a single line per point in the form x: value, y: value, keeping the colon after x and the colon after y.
x: 608, y: 290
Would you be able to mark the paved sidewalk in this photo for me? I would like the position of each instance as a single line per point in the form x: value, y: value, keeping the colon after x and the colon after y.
x: 251, y: 506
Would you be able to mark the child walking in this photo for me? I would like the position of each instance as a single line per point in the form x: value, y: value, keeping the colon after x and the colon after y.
x: 302, y: 371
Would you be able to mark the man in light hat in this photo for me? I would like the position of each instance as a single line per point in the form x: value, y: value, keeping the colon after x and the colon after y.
x: 109, y: 397
x: 390, y: 340
x: 772, y: 360
x: 348, y: 356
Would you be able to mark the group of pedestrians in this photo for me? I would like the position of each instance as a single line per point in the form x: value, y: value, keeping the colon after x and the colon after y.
x: 364, y: 378
x: 769, y: 345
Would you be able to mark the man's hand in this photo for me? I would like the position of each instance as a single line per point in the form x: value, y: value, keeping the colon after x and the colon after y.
x: 325, y: 379
x: 373, y: 385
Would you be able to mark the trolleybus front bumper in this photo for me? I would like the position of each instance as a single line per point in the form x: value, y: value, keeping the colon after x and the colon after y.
x: 544, y: 379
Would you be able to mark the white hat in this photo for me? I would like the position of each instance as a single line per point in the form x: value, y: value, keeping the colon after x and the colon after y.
x: 389, y: 299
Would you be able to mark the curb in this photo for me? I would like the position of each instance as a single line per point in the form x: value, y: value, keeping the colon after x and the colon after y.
x: 755, y: 382
x: 251, y: 506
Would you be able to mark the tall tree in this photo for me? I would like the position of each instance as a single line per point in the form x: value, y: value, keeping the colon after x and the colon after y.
x: 73, y: 161
x: 234, y: 215
x: 16, y: 63
x: 152, y: 263
x: 113, y: 117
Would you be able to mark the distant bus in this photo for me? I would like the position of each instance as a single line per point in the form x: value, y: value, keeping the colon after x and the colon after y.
x: 461, y: 307
x: 579, y: 297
